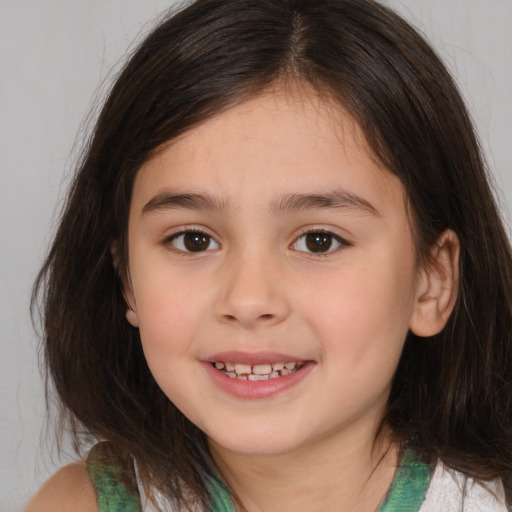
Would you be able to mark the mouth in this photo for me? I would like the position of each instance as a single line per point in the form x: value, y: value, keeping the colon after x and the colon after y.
x: 257, y: 372
x: 249, y: 376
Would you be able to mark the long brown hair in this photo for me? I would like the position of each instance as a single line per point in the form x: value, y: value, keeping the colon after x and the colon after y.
x: 452, y: 394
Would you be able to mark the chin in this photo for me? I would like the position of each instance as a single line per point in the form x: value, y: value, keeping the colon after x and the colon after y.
x: 256, y: 443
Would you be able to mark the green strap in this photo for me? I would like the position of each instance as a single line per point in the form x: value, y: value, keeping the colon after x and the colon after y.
x: 112, y: 494
x: 219, y: 495
x: 409, y: 486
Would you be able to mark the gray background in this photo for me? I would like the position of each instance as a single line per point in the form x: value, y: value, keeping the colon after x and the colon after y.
x: 54, y: 55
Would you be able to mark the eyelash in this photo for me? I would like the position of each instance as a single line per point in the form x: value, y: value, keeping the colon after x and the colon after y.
x: 170, y: 241
x: 342, y: 243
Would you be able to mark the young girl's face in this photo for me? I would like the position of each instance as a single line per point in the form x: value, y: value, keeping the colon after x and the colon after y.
x: 267, y: 236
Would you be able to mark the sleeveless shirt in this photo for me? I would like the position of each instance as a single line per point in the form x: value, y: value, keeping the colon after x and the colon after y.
x: 416, y: 487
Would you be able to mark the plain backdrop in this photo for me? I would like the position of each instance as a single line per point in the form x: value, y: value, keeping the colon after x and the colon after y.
x: 54, y: 56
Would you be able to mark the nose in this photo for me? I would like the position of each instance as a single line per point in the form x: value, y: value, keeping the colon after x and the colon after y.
x: 253, y: 293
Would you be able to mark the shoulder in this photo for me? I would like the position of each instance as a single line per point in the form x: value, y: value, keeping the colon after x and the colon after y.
x: 68, y: 490
x: 452, y: 491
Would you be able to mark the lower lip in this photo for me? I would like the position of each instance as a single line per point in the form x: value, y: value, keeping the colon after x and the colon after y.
x: 248, y: 389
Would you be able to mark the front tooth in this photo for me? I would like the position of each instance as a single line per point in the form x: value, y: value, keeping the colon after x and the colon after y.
x: 290, y: 366
x: 243, y: 369
x: 277, y: 366
x: 262, y: 369
x: 258, y: 377
x: 230, y: 367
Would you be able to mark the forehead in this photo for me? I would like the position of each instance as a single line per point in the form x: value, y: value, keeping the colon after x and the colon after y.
x: 279, y: 142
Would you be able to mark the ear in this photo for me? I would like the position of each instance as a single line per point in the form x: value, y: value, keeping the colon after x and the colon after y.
x: 126, y: 287
x: 437, y: 287
x: 131, y: 311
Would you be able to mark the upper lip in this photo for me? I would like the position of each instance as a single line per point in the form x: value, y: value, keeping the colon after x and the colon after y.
x: 253, y: 358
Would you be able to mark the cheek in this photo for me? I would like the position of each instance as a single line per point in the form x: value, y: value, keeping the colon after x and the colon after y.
x: 362, y: 311
x: 166, y: 324
x: 360, y: 322
x: 167, y: 310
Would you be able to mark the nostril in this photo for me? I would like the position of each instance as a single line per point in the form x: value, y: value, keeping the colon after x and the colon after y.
x: 233, y: 318
x: 264, y: 319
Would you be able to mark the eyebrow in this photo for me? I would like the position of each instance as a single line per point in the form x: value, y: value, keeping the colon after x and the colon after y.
x: 170, y: 200
x: 335, y: 199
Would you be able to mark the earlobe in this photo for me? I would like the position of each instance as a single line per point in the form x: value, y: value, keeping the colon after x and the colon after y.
x: 126, y: 287
x: 132, y: 317
x: 437, y: 287
x: 129, y: 298
x: 131, y: 312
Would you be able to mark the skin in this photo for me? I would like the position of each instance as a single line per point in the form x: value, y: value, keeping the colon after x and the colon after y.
x: 256, y: 287
x: 70, y: 489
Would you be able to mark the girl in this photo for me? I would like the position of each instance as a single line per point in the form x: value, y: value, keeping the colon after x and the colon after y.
x: 280, y: 281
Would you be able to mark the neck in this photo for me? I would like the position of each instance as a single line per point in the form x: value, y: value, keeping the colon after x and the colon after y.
x: 354, y: 475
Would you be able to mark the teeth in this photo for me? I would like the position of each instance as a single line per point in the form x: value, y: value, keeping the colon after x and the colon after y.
x: 258, y: 377
x: 257, y: 372
x: 261, y: 369
x: 243, y: 369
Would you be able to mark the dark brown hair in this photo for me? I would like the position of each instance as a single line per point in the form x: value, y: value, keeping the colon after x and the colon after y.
x: 452, y: 394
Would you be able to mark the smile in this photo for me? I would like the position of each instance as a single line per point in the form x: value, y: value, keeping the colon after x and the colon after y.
x: 257, y: 372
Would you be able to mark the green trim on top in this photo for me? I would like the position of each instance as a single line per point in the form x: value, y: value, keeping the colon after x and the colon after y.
x: 112, y: 494
x: 410, y: 483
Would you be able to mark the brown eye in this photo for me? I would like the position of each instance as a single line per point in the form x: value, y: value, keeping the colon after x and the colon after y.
x: 194, y: 241
x: 318, y: 242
